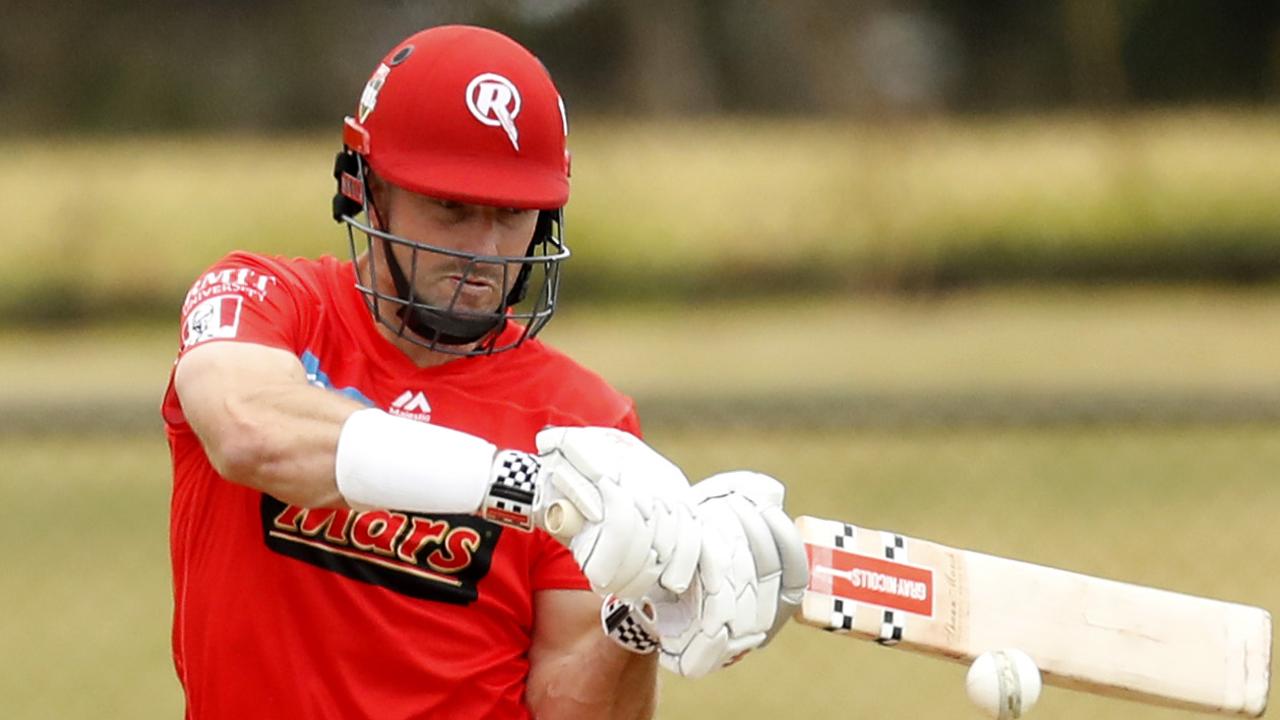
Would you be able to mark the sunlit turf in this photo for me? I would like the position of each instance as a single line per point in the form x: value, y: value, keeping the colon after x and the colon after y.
x: 134, y: 219
x: 86, y: 586
x: 1115, y: 341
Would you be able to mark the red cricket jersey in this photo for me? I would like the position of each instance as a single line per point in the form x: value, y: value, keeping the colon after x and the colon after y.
x: 285, y: 612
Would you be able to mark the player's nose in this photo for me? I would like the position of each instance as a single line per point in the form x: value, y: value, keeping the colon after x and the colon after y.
x: 485, y: 231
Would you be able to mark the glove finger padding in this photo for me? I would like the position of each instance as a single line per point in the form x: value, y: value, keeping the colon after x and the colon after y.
x: 767, y: 564
x: 569, y: 482
x: 686, y: 549
x: 694, y: 629
x: 699, y: 656
x: 705, y: 646
x: 614, y: 554
x: 705, y: 607
x: 794, y: 577
x: 781, y: 563
x: 639, y: 530
x: 596, y: 452
x: 795, y: 562
x: 716, y: 619
x: 718, y: 517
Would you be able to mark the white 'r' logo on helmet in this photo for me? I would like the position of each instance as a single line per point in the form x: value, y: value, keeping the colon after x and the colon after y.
x: 495, y: 102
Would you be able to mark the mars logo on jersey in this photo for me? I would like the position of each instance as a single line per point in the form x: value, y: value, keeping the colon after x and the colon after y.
x: 412, y: 405
x: 440, y: 558
x: 871, y: 580
x: 495, y: 101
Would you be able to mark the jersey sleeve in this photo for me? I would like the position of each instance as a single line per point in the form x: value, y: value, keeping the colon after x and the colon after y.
x: 244, y: 298
x: 554, y: 567
x: 630, y: 422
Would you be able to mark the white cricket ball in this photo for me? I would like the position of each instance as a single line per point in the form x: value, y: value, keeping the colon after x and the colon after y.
x: 1004, y: 683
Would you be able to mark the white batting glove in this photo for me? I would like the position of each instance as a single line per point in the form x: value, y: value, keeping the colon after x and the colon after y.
x: 640, y: 531
x: 751, y: 576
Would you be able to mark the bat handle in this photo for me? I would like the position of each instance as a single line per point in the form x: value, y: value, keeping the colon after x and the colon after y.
x: 562, y: 520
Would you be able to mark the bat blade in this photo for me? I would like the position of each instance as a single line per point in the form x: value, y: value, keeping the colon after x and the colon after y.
x: 1086, y: 633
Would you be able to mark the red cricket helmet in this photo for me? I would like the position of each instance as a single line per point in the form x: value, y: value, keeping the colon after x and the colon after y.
x: 465, y: 114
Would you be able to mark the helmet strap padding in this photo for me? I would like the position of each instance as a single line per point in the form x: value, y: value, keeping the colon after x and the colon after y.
x: 541, y: 232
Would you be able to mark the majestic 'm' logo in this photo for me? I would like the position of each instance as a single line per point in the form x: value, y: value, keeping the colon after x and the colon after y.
x: 412, y: 405
x: 495, y: 101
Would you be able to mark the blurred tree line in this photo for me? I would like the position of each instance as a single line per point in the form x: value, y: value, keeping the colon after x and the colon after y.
x: 140, y: 65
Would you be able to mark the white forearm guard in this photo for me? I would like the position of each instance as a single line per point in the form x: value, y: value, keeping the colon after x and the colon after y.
x: 388, y: 462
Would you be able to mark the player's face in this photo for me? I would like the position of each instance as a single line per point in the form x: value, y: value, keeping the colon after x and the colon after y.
x: 475, y: 229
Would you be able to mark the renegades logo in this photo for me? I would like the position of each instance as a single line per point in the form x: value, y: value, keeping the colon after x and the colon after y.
x: 438, y: 558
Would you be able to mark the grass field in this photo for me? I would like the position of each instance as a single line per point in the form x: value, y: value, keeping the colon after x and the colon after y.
x: 1112, y: 341
x: 87, y: 596
x: 718, y: 208
x: 1188, y: 507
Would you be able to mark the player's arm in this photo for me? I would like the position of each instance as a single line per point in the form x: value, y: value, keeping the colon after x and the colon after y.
x: 264, y: 426
x: 576, y: 670
x: 261, y: 423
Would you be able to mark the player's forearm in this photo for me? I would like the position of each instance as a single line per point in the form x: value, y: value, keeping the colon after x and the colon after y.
x: 315, y: 448
x: 282, y: 440
x: 601, y: 680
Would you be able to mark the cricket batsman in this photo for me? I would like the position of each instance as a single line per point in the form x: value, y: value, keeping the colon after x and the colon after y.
x: 363, y: 449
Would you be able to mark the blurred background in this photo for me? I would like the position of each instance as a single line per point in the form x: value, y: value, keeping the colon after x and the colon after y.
x: 997, y: 274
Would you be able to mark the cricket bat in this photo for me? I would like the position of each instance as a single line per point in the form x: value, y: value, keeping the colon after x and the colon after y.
x: 1085, y: 633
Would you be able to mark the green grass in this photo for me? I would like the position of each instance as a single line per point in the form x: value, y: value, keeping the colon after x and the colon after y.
x: 87, y: 583
x: 1107, y: 341
x: 709, y: 209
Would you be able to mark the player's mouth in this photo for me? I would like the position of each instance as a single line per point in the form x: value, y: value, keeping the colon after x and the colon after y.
x: 469, y: 287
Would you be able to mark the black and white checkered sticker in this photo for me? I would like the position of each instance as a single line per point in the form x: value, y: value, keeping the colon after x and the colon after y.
x: 513, y: 493
x: 894, y: 622
x: 843, y: 612
x: 624, y: 622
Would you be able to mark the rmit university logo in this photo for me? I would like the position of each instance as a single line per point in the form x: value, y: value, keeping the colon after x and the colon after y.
x: 412, y: 405
x: 494, y: 101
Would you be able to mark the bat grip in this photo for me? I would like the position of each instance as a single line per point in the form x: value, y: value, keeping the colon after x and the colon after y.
x: 562, y: 520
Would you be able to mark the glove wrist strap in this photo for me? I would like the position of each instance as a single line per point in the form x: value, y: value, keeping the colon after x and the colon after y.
x: 633, y: 626
x: 514, y: 492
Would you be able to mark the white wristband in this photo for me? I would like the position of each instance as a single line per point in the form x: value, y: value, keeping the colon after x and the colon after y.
x: 389, y: 462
